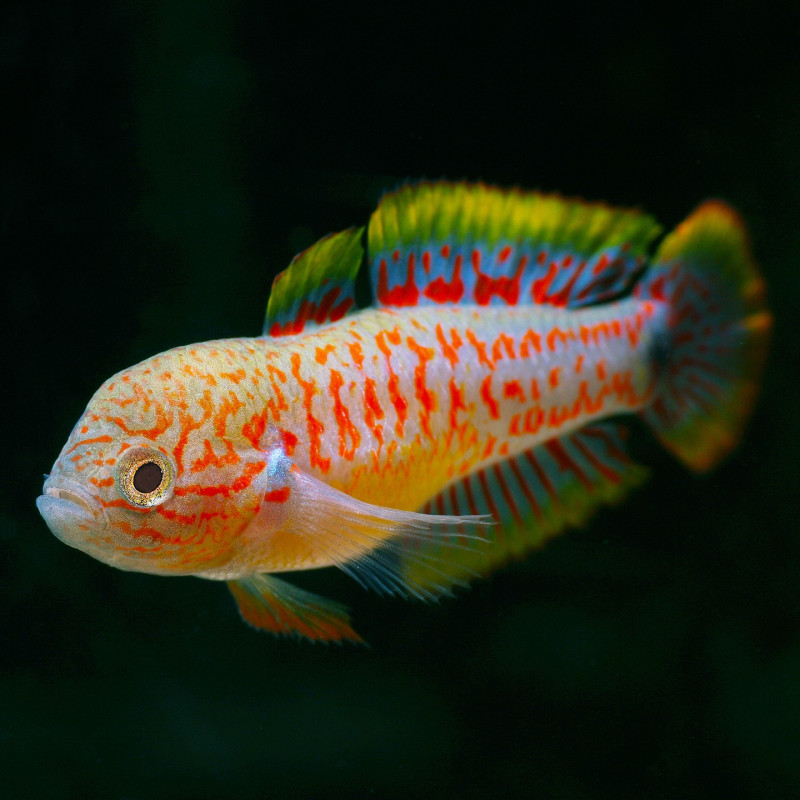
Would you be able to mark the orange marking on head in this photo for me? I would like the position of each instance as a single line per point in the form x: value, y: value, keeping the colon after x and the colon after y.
x: 278, y: 495
x: 188, y: 424
x: 480, y: 349
x: 103, y: 439
x: 122, y: 401
x: 210, y: 458
x: 227, y: 406
x: 488, y: 449
x: 489, y: 401
x: 174, y: 516
x: 289, y: 442
x: 503, y: 449
x: 579, y: 363
x: 192, y: 372
x: 239, y: 484
x: 117, y: 503
x: 164, y: 418
x: 254, y: 428
x: 601, y: 369
x: 535, y: 393
x: 554, y: 377
x: 103, y: 482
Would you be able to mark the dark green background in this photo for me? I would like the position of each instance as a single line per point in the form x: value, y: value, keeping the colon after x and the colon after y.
x: 162, y: 162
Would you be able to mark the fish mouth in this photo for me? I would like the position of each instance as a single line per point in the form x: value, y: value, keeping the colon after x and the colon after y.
x: 70, y: 511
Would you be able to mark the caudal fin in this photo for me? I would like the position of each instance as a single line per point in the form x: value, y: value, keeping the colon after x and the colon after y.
x: 718, y: 330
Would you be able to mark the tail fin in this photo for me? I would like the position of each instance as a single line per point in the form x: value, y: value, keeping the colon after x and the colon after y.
x: 717, y: 335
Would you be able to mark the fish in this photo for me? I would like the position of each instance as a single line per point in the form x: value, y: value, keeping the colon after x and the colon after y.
x: 477, y: 408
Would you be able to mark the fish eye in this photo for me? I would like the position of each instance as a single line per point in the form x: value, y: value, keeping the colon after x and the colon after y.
x: 144, y: 476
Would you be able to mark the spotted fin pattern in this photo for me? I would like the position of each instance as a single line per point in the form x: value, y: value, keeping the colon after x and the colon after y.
x: 448, y: 243
x: 533, y: 497
x: 717, y: 334
x: 317, y: 287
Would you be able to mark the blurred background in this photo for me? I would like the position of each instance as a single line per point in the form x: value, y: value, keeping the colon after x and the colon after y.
x: 162, y: 161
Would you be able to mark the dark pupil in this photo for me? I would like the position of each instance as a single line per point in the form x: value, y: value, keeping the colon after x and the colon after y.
x: 147, y: 478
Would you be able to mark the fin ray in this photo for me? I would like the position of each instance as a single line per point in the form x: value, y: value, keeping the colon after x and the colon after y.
x: 714, y: 346
x: 270, y: 604
x: 536, y: 495
x: 461, y: 243
x: 373, y: 544
x: 317, y: 287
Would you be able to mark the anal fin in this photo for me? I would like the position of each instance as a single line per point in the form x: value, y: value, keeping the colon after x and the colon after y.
x: 532, y: 497
x: 273, y: 605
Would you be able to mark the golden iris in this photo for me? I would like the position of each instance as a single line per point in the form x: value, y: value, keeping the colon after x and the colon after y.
x: 144, y: 476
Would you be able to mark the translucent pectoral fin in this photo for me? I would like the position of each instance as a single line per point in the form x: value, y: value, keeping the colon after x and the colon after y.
x: 273, y: 605
x: 375, y: 545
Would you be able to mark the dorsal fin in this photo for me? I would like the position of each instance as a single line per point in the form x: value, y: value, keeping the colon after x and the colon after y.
x: 317, y: 287
x: 459, y: 243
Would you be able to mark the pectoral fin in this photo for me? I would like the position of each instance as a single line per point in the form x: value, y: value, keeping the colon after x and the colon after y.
x: 380, y: 546
x: 276, y: 606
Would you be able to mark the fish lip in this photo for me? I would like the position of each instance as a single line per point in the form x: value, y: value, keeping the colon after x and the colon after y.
x: 67, y: 491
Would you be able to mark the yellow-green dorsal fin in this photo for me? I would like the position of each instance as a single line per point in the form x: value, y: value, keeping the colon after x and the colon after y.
x: 317, y: 287
x: 475, y: 244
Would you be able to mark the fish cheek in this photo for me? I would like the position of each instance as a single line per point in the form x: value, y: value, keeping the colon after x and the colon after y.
x: 135, y: 530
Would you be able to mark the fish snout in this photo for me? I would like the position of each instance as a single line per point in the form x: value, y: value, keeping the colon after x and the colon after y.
x: 69, y: 510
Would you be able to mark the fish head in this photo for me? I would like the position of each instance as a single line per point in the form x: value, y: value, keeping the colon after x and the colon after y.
x: 160, y: 474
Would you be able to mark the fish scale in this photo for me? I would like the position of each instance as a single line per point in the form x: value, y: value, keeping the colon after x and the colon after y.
x: 512, y: 380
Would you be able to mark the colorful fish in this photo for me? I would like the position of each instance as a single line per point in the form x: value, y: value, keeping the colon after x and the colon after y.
x: 460, y: 421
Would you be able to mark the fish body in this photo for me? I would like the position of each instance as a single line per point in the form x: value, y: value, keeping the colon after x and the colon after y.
x: 415, y: 444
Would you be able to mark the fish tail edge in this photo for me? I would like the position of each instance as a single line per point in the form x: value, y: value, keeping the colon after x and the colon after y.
x: 711, y: 352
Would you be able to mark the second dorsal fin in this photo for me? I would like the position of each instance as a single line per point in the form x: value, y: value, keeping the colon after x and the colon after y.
x: 459, y: 243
